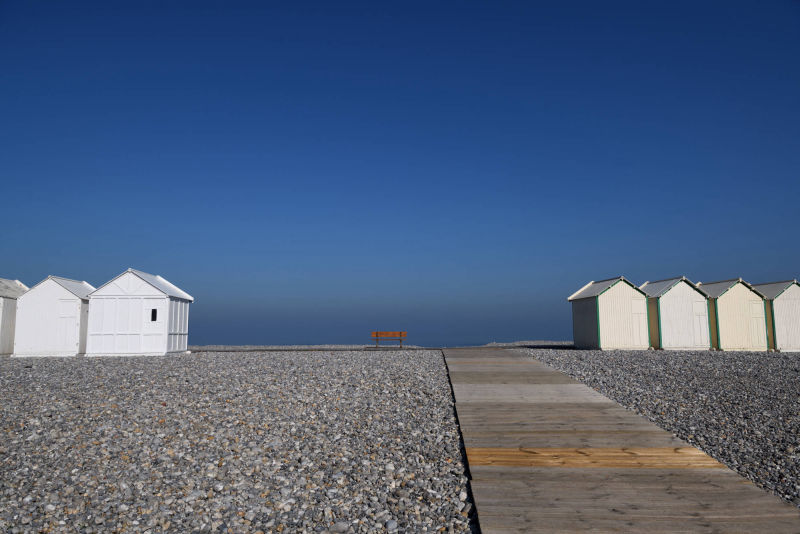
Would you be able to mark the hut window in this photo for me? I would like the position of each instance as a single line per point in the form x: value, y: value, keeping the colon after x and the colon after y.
x: 153, y: 315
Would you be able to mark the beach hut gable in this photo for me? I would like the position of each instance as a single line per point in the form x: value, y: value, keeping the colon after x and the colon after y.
x: 718, y: 289
x: 660, y: 288
x: 138, y: 283
x: 595, y: 289
x: 77, y: 288
x: 774, y: 290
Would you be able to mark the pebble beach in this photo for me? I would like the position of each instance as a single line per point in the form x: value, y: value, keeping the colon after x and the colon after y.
x: 304, y: 441
x: 347, y: 441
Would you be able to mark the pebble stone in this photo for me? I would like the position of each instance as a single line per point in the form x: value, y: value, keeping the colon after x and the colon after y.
x: 742, y: 408
x: 290, y: 441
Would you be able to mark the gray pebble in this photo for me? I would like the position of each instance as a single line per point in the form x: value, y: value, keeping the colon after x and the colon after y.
x: 298, y: 441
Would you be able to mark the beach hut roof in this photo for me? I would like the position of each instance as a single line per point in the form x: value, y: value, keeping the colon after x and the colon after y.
x: 772, y: 290
x: 659, y: 287
x: 158, y: 282
x: 11, y: 289
x: 594, y: 289
x: 717, y: 289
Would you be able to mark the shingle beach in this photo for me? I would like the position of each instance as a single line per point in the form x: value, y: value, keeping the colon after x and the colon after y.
x: 231, y: 442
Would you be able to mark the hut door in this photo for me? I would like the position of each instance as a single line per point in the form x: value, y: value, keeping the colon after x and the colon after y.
x: 67, y: 327
x: 700, y: 325
x: 757, y: 328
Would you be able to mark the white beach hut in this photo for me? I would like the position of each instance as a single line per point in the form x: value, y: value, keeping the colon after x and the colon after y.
x: 736, y: 315
x: 51, y: 318
x: 610, y: 314
x: 678, y: 315
x: 138, y: 313
x: 10, y: 291
x: 783, y: 314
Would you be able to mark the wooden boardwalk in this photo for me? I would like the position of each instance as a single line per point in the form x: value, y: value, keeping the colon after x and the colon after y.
x: 549, y: 454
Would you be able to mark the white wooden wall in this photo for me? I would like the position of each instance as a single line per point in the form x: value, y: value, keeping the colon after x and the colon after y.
x: 684, y: 319
x: 48, y: 322
x: 742, y: 324
x: 787, y: 319
x: 124, y: 325
x: 584, y: 323
x: 178, y: 325
x: 623, y: 318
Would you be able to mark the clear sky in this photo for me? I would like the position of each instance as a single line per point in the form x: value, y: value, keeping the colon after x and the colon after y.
x: 313, y: 171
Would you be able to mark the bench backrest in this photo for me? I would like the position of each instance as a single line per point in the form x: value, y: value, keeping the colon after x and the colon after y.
x: 389, y: 334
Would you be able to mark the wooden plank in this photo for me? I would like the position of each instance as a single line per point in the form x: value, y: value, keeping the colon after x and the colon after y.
x: 516, y: 393
x: 558, y: 425
x: 499, y: 375
x: 559, y: 415
x: 578, y: 438
x: 620, y: 457
x: 543, y: 480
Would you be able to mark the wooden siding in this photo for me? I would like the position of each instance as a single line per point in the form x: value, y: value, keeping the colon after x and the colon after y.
x: 623, y: 318
x: 684, y: 319
x: 742, y: 323
x: 584, y: 323
x: 652, y: 321
x: 787, y: 319
x: 712, y: 323
x: 178, y: 325
x: 771, y: 325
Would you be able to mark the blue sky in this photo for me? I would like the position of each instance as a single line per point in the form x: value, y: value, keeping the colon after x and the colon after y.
x: 314, y: 171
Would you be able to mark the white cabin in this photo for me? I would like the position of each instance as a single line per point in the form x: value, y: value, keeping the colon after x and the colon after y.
x: 137, y: 313
x: 52, y: 317
x: 737, y: 315
x: 678, y: 315
x: 783, y: 314
x: 610, y: 314
x: 10, y: 291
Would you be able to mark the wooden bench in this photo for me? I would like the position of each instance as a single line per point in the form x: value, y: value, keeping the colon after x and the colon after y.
x: 393, y: 336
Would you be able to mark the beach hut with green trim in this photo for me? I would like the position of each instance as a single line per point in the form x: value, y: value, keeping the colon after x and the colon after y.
x: 677, y: 314
x: 783, y: 314
x: 737, y: 315
x: 610, y: 315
